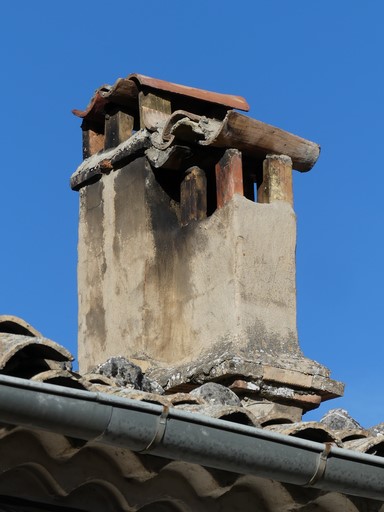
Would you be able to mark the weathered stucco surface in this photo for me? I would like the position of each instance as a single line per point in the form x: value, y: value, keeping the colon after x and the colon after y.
x: 154, y: 291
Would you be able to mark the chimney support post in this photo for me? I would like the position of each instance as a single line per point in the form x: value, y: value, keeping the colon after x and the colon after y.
x: 276, y: 182
x: 118, y: 128
x: 229, y: 177
x: 154, y: 110
x: 93, y: 141
x: 193, y: 195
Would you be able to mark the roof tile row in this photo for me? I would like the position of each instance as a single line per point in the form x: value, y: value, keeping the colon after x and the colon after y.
x: 37, y: 358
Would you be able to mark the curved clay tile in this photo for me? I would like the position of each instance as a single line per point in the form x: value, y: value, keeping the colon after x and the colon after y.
x: 162, y: 505
x: 42, y: 446
x: 373, y: 445
x: 39, y: 485
x: 230, y: 413
x: 55, y: 472
x: 53, y: 450
x: 352, y: 434
x: 251, y: 493
x: 14, y: 325
x: 25, y: 356
x: 199, y: 478
x: 97, y: 378
x: 131, y: 393
x: 226, y: 100
x: 251, y: 136
x: 332, y: 501
x: 310, y: 430
x: 98, y: 495
x: 125, y: 91
x: 233, y: 414
x: 60, y: 378
x: 113, y: 479
x: 110, y: 159
x: 179, y: 399
x: 34, y: 479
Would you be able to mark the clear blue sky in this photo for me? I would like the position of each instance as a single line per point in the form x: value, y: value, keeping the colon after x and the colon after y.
x: 313, y: 68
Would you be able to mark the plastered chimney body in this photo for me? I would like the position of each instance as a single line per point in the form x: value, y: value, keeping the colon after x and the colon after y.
x: 187, y: 240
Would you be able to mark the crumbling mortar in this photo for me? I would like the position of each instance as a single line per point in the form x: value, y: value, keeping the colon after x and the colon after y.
x: 217, y: 367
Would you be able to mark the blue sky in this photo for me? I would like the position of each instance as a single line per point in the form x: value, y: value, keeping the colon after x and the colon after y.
x: 312, y: 68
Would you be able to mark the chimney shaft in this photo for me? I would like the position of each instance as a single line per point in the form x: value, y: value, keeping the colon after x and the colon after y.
x: 187, y: 242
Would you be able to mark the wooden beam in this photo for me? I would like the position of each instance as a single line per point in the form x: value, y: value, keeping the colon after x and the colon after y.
x: 118, y: 128
x: 277, y: 180
x: 193, y: 196
x: 229, y: 177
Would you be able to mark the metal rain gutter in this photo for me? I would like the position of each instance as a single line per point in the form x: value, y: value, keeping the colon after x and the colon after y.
x: 180, y: 435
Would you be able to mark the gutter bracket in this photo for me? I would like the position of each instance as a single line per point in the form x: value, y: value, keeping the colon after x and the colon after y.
x: 160, y: 431
x: 321, y: 466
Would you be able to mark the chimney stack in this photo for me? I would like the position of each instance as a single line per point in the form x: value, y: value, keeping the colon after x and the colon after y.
x: 187, y: 243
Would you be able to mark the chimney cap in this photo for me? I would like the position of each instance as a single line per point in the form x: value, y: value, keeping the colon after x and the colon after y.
x: 125, y: 91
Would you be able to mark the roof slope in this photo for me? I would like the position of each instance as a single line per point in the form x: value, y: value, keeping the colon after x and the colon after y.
x: 120, y: 479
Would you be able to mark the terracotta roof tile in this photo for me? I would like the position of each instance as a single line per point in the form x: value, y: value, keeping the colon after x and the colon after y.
x: 14, y: 325
x: 25, y: 356
x: 119, y: 478
x: 43, y: 360
x: 125, y: 91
